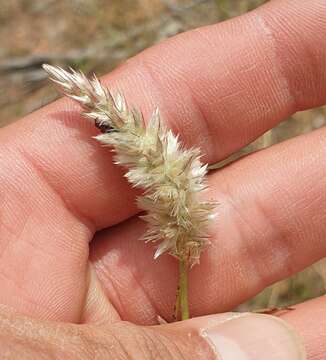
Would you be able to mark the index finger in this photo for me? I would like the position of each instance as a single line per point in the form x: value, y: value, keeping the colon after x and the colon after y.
x: 219, y: 87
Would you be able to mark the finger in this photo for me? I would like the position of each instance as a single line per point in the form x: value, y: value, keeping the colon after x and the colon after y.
x: 43, y: 244
x: 97, y: 309
x: 270, y: 224
x: 219, y: 87
x: 227, y: 336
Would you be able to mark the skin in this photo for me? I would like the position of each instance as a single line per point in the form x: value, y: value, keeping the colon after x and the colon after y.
x: 68, y: 225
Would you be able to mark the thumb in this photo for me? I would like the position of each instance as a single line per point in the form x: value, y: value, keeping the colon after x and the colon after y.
x: 223, y: 337
x: 236, y: 336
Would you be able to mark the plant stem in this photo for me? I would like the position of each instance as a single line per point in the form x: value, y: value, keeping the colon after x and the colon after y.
x: 177, y: 304
x: 182, y: 297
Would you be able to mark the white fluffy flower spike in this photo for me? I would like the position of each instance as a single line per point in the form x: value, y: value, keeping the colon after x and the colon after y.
x: 170, y: 176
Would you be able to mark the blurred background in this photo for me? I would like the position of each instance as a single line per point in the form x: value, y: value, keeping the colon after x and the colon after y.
x: 97, y: 35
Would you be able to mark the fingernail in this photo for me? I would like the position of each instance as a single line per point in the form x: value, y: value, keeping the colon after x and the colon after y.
x: 254, y: 337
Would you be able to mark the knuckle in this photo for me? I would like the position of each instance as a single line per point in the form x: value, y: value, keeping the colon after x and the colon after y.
x: 136, y: 342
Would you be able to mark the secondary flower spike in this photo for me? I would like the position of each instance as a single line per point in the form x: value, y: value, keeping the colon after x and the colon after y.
x: 170, y: 176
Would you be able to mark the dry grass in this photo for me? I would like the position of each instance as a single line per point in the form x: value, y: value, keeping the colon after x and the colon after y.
x: 116, y: 30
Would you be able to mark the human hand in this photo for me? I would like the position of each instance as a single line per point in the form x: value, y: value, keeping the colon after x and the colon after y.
x: 66, y: 287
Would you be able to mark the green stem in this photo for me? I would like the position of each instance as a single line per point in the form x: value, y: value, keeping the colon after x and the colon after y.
x: 177, y: 304
x: 183, y: 289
